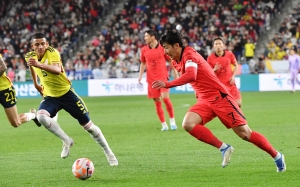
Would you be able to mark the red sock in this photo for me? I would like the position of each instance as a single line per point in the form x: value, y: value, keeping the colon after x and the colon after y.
x: 260, y: 141
x: 169, y: 107
x: 160, y: 111
x: 205, y: 135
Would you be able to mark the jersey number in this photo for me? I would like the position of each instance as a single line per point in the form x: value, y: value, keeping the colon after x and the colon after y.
x: 81, y: 106
x: 154, y: 62
x: 10, y: 97
x: 222, y: 70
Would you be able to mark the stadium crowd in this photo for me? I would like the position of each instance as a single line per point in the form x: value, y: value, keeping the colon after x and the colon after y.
x: 114, y: 50
x: 288, y: 35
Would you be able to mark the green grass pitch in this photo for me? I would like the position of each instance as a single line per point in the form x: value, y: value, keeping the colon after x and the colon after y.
x: 30, y: 156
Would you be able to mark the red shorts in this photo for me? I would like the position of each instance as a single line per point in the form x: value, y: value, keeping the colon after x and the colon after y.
x: 235, y: 92
x: 156, y: 93
x: 226, y: 109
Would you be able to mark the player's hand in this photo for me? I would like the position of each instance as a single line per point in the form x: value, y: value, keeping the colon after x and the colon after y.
x: 217, y: 66
x: 32, y: 62
x: 158, y: 84
x: 139, y: 80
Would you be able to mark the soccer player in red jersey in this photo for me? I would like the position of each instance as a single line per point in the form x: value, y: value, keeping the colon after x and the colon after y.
x: 221, y: 61
x: 154, y: 60
x: 214, y: 101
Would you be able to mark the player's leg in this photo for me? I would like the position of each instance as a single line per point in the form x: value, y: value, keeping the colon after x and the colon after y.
x: 75, y: 106
x: 9, y: 102
x: 48, y: 109
x: 155, y: 94
x: 165, y: 94
x: 293, y: 78
x: 232, y: 117
x: 194, y: 122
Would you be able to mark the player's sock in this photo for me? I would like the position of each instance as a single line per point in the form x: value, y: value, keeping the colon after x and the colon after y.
x: 223, y: 146
x: 205, y: 135
x: 260, y: 141
x: 30, y: 116
x: 160, y: 111
x: 97, y: 135
x: 51, y: 125
x: 169, y: 107
x: 55, y: 117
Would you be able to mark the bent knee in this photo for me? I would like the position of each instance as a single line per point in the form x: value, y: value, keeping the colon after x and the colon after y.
x: 188, y: 126
x: 42, y: 116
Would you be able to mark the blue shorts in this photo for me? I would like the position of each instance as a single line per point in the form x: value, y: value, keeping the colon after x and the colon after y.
x: 8, y: 97
x: 70, y: 102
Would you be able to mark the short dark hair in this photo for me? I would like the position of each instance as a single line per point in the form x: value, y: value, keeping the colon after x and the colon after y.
x: 37, y: 35
x: 218, y: 38
x: 171, y: 37
x: 152, y: 33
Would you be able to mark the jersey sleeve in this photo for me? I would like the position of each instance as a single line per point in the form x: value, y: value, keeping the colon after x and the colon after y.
x: 54, y: 56
x: 30, y: 54
x: 233, y: 59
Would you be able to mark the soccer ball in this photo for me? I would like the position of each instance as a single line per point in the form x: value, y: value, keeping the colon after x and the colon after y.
x: 178, y: 27
x: 83, y: 168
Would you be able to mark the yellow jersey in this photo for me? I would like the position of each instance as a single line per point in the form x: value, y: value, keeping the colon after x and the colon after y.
x: 5, y: 81
x: 53, y: 85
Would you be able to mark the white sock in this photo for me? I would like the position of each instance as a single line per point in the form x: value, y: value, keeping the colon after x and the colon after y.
x: 30, y: 116
x: 55, y: 117
x: 172, y: 121
x: 223, y: 146
x: 164, y: 124
x: 52, y: 126
x: 278, y: 156
x: 97, y: 135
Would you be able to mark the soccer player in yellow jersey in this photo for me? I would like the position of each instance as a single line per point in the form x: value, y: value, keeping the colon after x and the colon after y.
x: 45, y: 62
x: 8, y: 100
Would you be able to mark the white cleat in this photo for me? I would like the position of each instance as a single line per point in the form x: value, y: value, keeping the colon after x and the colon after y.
x: 66, y: 148
x: 164, y: 128
x: 173, y: 126
x: 32, y: 110
x: 226, y: 153
x: 112, y: 160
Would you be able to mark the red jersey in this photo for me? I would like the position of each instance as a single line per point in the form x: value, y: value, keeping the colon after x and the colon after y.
x: 200, y: 76
x: 225, y: 72
x: 155, y: 60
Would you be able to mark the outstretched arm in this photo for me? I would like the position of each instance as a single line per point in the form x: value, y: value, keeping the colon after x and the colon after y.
x: 35, y: 81
x: 189, y: 76
x: 3, y: 67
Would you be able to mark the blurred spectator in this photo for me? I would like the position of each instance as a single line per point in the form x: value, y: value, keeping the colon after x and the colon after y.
x: 21, y: 75
x: 11, y: 74
x: 112, y: 72
x: 249, y: 50
x: 260, y: 66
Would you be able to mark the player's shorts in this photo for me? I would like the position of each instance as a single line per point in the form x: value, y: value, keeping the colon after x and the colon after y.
x: 8, y: 97
x: 156, y: 93
x: 70, y: 102
x: 235, y: 92
x: 226, y: 109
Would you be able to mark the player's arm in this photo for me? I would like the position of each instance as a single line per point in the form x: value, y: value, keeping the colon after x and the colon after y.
x: 3, y: 67
x: 142, y: 69
x: 54, y: 67
x: 35, y: 81
x: 189, y: 76
x: 235, y: 65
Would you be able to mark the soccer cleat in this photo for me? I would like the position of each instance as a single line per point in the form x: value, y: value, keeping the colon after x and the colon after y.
x: 226, y: 153
x: 164, y: 128
x: 35, y: 119
x: 112, y: 160
x: 280, y: 164
x: 66, y: 148
x: 173, y: 126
